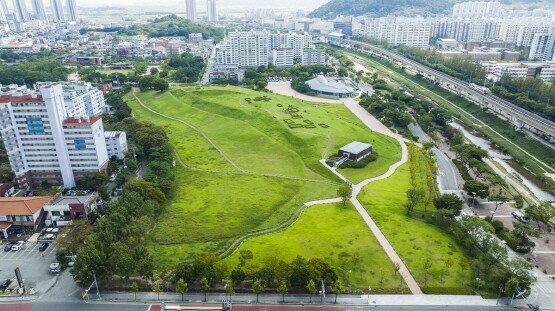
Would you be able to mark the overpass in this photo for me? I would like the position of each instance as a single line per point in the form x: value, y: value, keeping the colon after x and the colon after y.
x: 521, y: 118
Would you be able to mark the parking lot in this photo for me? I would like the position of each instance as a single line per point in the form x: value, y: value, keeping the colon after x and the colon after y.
x: 34, y: 266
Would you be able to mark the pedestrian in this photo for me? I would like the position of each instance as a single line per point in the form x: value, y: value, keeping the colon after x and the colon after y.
x: 42, y: 255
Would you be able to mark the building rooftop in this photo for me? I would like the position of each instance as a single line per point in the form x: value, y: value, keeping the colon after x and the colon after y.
x: 330, y: 85
x: 74, y: 199
x: 81, y: 120
x: 20, y: 98
x: 355, y: 147
x: 111, y: 134
x: 22, y: 205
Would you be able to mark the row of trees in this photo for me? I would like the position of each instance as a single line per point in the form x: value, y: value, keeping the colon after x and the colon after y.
x: 153, y: 82
x: 207, y: 271
x: 33, y: 69
x: 531, y: 93
x: 184, y: 68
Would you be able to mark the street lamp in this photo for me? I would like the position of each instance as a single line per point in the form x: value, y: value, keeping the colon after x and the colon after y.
x: 369, y: 290
x: 492, y: 215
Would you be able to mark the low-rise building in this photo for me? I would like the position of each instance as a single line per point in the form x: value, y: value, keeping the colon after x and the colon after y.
x: 447, y: 44
x: 331, y: 87
x: 116, y: 144
x: 62, y: 210
x: 355, y: 151
x: 21, y: 215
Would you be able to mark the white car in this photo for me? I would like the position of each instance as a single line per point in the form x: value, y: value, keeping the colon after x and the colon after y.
x: 17, y: 246
x: 55, y: 267
x: 112, y: 178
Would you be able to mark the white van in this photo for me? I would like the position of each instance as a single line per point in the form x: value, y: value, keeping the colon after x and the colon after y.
x: 520, y: 216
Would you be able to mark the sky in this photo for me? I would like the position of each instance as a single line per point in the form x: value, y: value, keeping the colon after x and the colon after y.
x: 223, y: 4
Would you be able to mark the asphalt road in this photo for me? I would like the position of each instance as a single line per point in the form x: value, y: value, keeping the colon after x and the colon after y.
x: 446, y: 173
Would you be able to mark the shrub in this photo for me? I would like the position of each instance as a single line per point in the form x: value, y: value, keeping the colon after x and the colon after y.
x: 360, y: 164
x: 448, y: 290
x: 498, y: 226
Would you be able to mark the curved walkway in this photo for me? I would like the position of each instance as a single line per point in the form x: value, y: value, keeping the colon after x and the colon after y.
x: 375, y: 125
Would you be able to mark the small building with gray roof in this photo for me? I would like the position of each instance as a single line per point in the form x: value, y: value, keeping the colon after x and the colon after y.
x: 355, y: 151
x: 331, y: 87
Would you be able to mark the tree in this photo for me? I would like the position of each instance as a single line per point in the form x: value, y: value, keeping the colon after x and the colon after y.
x: 311, y: 289
x: 154, y: 70
x: 480, y: 189
x: 257, y: 288
x: 229, y: 289
x: 449, y: 202
x: 282, y: 290
x: 135, y: 288
x: 414, y: 196
x: 511, y: 287
x: 338, y: 289
x: 204, y: 287
x: 157, y: 288
x: 345, y: 192
x: 181, y: 287
x: 160, y: 85
x: 543, y: 213
x: 523, y: 232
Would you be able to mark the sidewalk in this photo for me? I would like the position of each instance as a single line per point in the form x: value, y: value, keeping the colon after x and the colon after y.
x: 374, y: 300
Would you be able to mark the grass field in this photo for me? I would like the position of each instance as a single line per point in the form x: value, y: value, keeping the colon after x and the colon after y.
x: 247, y: 170
x: 415, y: 240
x: 111, y: 71
x: 339, y: 236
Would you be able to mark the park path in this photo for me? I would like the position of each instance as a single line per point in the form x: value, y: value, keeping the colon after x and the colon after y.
x: 284, y: 88
x: 374, y: 125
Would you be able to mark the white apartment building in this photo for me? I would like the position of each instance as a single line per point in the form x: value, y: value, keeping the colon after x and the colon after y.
x: 314, y: 57
x: 521, y: 31
x: 71, y: 7
x: 57, y: 11
x: 81, y: 99
x: 43, y: 145
x: 212, y: 10
x: 116, y: 144
x: 282, y: 57
x: 410, y: 31
x: 244, y: 49
x: 191, y: 8
x: 543, y: 47
x: 496, y: 70
x: 476, y: 9
x: 297, y: 42
x: 85, y: 144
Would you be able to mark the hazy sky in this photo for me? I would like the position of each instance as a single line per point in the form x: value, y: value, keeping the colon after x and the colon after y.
x: 201, y: 4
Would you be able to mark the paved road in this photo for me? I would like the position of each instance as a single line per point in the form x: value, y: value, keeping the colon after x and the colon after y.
x: 446, y: 176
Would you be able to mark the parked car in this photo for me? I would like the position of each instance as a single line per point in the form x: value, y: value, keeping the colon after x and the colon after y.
x: 17, y: 246
x: 8, y: 246
x: 54, y: 267
x: 43, y: 247
x: 71, y: 262
x: 520, y: 216
x: 5, y: 284
x: 112, y: 178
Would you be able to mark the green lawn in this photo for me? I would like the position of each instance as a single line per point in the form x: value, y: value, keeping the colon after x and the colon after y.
x: 339, y: 236
x: 119, y: 71
x: 415, y: 240
x: 230, y: 147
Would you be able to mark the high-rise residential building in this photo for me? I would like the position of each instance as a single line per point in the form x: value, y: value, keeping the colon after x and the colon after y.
x: 297, y: 42
x: 39, y: 11
x: 3, y: 12
x: 57, y: 11
x: 410, y: 31
x: 212, y: 10
x: 521, y: 31
x: 20, y: 11
x: 81, y: 99
x: 477, y: 9
x: 282, y: 57
x: 71, y: 7
x: 543, y: 47
x: 191, y: 7
x: 243, y: 49
x: 45, y: 146
x: 314, y: 57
